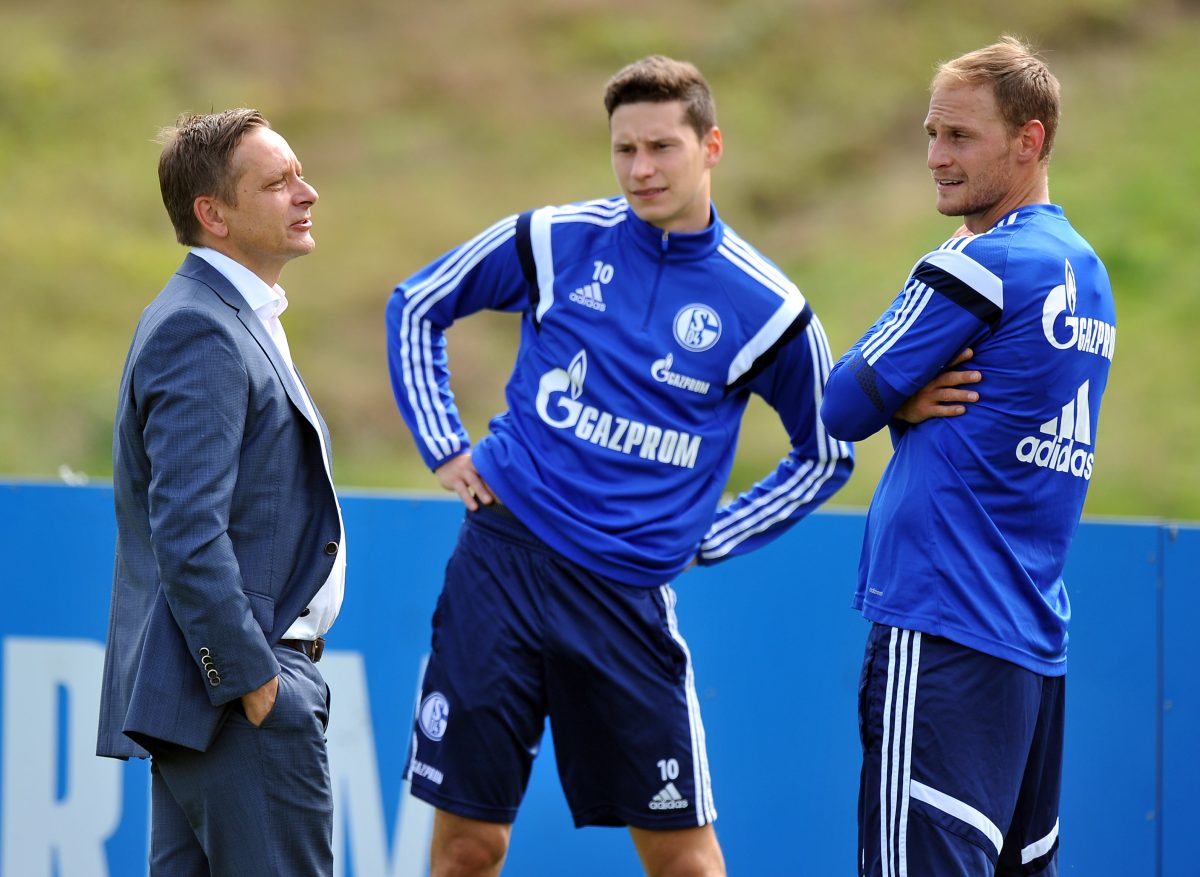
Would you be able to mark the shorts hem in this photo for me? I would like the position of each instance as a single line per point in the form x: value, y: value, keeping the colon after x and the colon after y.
x: 608, y: 817
x: 505, y: 815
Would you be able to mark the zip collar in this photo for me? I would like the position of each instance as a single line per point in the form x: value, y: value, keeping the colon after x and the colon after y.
x: 1020, y: 214
x: 676, y: 245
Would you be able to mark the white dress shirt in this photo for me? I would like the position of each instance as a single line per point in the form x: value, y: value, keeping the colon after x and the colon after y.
x: 268, y: 303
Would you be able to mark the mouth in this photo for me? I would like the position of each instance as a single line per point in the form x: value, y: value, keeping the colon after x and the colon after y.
x: 946, y: 185
x: 304, y: 224
x: 648, y: 194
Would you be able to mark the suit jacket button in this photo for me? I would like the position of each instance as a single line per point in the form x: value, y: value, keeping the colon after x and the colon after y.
x: 204, y: 652
x: 214, y: 678
x: 331, y: 548
x: 305, y: 613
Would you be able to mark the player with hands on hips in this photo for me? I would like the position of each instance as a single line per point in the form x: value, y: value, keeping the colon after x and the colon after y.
x: 646, y: 324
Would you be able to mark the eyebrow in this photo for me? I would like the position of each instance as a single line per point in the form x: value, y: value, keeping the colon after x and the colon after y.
x: 281, y: 171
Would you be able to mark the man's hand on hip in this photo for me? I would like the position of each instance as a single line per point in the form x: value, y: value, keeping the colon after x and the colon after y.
x: 459, y: 476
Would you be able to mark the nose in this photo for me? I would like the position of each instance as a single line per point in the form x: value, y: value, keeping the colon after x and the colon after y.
x: 642, y: 166
x: 307, y: 193
x: 938, y: 156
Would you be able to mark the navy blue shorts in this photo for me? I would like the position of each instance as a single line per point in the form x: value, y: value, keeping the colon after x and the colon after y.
x: 520, y: 634
x: 962, y: 761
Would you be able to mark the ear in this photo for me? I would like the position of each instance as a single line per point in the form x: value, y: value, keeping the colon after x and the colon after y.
x: 1030, y: 138
x: 211, y: 216
x: 713, y: 147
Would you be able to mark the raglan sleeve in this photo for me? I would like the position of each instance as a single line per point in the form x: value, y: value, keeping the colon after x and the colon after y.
x: 790, y: 377
x: 484, y: 273
x: 951, y: 301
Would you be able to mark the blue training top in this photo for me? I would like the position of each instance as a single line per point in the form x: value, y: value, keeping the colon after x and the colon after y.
x: 639, y: 350
x: 970, y: 525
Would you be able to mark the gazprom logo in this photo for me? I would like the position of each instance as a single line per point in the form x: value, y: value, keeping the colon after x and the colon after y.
x: 1067, y: 331
x: 558, y: 405
x: 697, y: 327
x: 565, y: 386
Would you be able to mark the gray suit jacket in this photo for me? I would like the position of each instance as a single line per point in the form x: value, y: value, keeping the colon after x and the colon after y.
x: 227, y: 524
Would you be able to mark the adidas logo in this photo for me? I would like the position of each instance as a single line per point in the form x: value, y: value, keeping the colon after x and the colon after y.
x: 668, y: 799
x: 589, y: 296
x: 1069, y: 436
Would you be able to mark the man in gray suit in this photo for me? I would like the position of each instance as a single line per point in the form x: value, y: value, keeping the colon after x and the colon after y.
x: 230, y: 560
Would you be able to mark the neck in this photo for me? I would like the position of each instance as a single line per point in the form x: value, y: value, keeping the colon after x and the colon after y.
x: 1035, y: 191
x: 268, y: 273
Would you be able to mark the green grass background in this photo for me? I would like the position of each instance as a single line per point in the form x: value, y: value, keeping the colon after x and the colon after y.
x: 421, y: 123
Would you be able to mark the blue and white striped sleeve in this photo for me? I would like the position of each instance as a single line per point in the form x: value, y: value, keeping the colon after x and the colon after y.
x: 791, y: 379
x: 484, y: 273
x: 949, y: 302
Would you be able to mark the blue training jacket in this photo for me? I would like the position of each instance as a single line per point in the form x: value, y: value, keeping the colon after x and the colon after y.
x: 639, y: 351
x: 969, y: 529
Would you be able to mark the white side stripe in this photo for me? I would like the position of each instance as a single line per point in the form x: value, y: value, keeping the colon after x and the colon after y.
x: 760, y: 271
x: 959, y: 810
x: 415, y: 348
x: 971, y: 273
x: 896, y: 750
x: 1037, y: 849
x: 705, y: 809
x: 543, y: 258
x: 803, y: 485
x: 909, y: 714
x: 914, y: 303
x: 777, y: 280
x: 765, y: 337
x: 601, y: 207
x: 822, y: 365
x: 885, y: 821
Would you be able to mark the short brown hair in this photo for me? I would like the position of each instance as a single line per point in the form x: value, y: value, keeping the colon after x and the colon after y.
x: 1025, y: 88
x: 659, y: 79
x: 197, y: 160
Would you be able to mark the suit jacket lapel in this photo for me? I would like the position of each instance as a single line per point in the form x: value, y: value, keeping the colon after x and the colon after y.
x: 320, y: 424
x: 198, y: 269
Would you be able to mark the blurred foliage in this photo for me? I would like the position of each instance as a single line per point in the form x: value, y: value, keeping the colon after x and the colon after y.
x: 421, y: 123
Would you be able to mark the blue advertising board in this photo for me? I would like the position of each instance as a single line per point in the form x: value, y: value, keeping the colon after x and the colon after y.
x: 776, y: 650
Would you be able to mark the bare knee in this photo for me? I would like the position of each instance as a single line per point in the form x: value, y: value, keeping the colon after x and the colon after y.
x: 465, y: 847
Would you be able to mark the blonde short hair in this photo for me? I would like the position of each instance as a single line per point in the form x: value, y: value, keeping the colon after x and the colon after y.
x: 1024, y: 87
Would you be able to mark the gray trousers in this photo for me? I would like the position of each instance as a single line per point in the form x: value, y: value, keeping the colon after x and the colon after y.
x: 259, y: 801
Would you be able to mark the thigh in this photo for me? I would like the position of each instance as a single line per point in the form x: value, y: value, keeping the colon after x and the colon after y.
x: 1031, y: 844
x: 946, y: 732
x: 174, y: 849
x: 623, y: 708
x: 482, y: 708
x: 259, y: 800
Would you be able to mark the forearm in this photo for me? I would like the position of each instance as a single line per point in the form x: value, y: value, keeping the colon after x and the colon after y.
x: 775, y: 504
x: 858, y: 402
